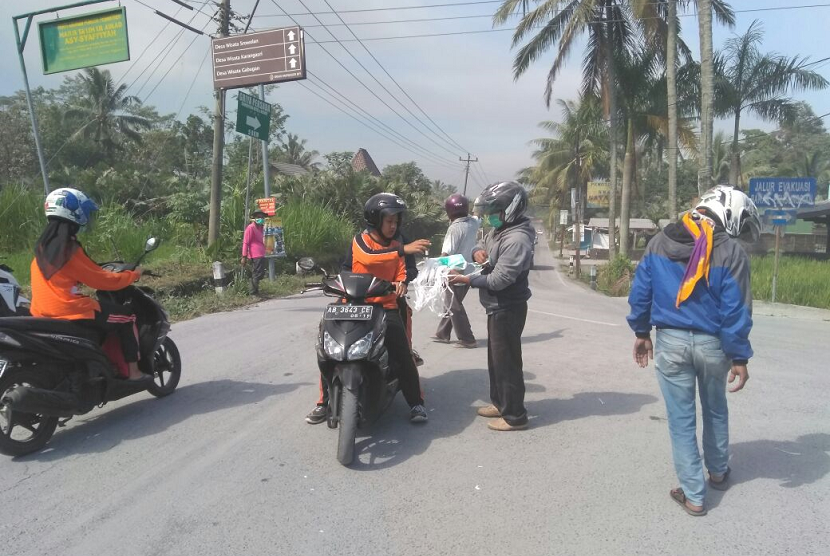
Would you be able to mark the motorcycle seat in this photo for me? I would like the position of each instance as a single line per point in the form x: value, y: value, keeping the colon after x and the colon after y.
x: 51, y: 326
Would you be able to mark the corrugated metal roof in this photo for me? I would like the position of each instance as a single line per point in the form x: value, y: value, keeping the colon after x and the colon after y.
x: 288, y: 169
x: 635, y: 224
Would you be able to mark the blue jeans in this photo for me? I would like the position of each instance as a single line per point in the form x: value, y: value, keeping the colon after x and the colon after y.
x: 684, y: 359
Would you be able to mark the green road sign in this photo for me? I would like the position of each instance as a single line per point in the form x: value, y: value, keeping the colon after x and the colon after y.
x: 84, y: 41
x: 253, y: 116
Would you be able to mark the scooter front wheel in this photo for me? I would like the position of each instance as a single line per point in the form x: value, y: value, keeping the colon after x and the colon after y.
x: 347, y: 426
x: 167, y: 369
x: 23, y: 433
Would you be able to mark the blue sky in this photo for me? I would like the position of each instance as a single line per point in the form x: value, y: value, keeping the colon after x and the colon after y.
x: 464, y: 82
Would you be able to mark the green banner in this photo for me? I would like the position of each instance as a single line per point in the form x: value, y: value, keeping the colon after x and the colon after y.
x: 253, y: 116
x: 84, y: 41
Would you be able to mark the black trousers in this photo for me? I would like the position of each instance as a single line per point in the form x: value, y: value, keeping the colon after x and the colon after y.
x: 400, y: 358
x: 504, y: 362
x: 257, y: 273
x: 117, y: 319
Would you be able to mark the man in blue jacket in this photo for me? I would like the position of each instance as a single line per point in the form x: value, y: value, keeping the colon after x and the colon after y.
x: 693, y: 286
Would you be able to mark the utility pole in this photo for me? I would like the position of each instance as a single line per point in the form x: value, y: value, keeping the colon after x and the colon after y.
x: 467, y: 174
x: 218, y: 140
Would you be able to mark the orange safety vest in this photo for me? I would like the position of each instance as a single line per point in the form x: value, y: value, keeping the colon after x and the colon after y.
x: 381, y: 261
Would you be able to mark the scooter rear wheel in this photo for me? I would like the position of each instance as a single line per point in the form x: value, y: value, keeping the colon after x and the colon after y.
x: 23, y: 433
x: 347, y: 426
x: 168, y: 369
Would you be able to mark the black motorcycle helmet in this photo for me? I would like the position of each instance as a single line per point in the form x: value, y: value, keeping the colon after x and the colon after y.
x: 508, y: 197
x: 380, y: 206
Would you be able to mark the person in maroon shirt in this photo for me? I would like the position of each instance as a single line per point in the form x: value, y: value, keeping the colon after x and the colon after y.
x: 253, y: 249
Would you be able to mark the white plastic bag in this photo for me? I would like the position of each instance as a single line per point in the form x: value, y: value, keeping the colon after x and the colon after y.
x: 431, y: 289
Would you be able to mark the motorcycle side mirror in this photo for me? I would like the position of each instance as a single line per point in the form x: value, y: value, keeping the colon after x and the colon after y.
x: 152, y: 244
x: 307, y: 264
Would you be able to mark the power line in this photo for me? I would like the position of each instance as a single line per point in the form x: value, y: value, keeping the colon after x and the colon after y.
x: 396, y: 8
x: 382, y: 86
x: 483, y: 31
x: 451, y: 141
x: 333, y: 57
x: 352, y: 116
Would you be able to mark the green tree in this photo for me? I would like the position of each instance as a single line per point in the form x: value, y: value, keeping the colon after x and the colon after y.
x: 293, y: 151
x: 107, y: 111
x: 609, y: 28
x: 576, y: 153
x: 750, y: 81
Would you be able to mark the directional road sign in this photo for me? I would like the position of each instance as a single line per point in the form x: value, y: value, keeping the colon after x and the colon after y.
x: 253, y: 116
x: 781, y: 217
x: 272, y: 56
x: 783, y: 193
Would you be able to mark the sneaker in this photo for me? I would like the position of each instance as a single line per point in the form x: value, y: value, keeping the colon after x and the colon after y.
x: 466, y: 344
x: 418, y: 414
x: 419, y: 361
x: 440, y: 340
x: 317, y: 415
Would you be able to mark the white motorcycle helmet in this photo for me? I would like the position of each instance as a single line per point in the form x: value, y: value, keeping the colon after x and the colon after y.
x: 71, y: 205
x: 732, y: 209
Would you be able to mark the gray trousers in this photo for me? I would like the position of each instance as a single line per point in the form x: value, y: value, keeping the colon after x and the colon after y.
x: 458, y: 320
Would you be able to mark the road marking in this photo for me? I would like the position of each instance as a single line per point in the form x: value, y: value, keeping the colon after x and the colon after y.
x: 573, y: 318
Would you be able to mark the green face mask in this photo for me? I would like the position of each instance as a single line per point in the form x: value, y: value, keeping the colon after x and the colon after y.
x: 260, y: 221
x: 494, y: 220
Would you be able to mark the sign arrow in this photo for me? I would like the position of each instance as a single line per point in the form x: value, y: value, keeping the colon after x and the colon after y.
x: 291, y: 35
x: 292, y: 49
x: 252, y: 122
x: 292, y: 63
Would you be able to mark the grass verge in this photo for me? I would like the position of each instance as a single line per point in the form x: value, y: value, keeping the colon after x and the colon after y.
x: 800, y: 281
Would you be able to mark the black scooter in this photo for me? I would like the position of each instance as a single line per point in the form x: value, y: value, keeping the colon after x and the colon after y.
x: 52, y: 370
x: 352, y: 356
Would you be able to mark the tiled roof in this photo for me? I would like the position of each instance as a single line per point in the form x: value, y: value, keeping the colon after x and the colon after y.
x: 363, y: 161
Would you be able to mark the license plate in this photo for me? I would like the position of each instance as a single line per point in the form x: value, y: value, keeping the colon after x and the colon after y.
x: 348, y: 312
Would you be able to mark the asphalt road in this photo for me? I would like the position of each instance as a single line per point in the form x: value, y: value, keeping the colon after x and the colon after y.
x: 228, y: 466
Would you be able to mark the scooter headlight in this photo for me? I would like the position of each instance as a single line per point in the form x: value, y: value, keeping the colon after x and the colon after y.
x: 360, y: 349
x: 332, y: 348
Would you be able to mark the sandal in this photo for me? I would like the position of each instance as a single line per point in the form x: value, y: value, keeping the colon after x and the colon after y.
x: 680, y: 497
x: 723, y: 484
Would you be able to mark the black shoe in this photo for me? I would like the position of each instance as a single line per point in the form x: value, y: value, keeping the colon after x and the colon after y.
x: 317, y: 415
x: 418, y: 414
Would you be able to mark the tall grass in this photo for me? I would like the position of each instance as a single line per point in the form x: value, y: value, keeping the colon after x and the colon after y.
x: 21, y: 218
x: 800, y: 281
x: 315, y: 231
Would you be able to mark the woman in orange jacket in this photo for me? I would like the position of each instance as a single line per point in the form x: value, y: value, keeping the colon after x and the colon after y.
x: 61, y: 265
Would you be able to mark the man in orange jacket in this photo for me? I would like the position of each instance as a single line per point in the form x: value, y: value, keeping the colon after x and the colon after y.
x: 61, y: 265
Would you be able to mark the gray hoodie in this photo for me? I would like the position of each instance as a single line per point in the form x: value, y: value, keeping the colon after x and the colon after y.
x: 504, y: 280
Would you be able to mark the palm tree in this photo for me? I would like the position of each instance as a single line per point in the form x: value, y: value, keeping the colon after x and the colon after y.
x: 642, y: 87
x: 293, y: 151
x: 107, y: 111
x: 576, y: 153
x: 609, y: 28
x: 758, y: 83
x: 720, y: 157
x: 656, y: 16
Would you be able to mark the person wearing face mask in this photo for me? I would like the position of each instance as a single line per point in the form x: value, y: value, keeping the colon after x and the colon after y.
x: 253, y: 249
x: 506, y: 253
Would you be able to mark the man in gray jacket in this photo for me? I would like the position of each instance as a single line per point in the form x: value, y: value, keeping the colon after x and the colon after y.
x: 460, y: 240
x: 506, y: 253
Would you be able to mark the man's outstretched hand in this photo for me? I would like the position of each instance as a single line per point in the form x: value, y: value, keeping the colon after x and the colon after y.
x: 417, y: 247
